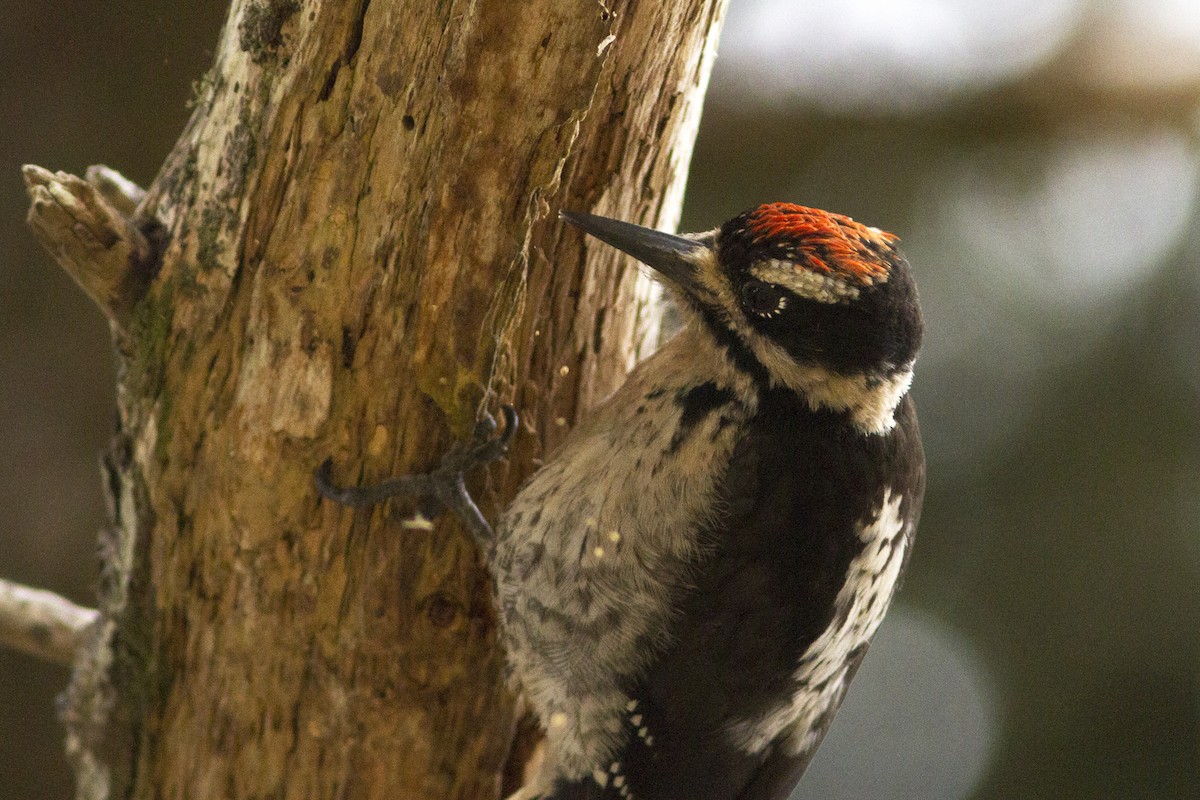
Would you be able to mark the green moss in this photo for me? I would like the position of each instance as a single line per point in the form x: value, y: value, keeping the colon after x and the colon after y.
x: 139, y: 668
x: 151, y: 337
x: 150, y: 330
x: 209, y: 248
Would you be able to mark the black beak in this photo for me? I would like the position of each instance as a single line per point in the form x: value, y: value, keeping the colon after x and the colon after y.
x: 672, y: 256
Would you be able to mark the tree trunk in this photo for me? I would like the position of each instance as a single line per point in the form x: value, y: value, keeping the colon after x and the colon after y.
x: 352, y: 250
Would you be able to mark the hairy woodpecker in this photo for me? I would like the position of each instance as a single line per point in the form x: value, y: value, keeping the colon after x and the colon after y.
x: 688, y: 586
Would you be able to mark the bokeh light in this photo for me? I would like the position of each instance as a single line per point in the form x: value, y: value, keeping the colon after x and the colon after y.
x: 881, y: 55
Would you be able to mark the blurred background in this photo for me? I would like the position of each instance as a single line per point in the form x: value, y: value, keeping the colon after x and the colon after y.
x: 1039, y: 159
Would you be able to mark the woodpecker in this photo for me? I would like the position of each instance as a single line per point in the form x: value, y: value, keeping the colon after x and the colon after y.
x: 689, y: 584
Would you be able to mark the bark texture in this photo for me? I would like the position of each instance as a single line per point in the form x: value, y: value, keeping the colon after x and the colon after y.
x: 353, y: 249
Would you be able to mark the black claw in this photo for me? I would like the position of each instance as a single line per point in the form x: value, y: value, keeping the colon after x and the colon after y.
x: 323, y: 477
x: 510, y: 424
x: 485, y: 429
x: 493, y: 449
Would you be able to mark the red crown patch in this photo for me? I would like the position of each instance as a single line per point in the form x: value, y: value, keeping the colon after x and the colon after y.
x: 830, y: 243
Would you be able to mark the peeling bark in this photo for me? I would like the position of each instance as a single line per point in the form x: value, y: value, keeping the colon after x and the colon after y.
x: 352, y: 251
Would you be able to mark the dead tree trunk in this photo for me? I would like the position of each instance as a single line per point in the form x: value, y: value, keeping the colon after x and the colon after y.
x: 351, y: 251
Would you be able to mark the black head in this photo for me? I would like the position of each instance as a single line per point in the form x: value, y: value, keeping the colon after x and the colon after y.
x: 823, y: 304
x: 828, y: 290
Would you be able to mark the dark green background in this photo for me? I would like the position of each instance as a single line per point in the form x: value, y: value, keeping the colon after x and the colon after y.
x: 1047, y: 642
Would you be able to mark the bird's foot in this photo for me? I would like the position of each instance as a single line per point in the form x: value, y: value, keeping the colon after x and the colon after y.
x: 443, y: 489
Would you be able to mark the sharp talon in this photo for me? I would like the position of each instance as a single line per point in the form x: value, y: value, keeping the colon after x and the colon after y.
x: 323, y: 478
x: 510, y: 423
x: 494, y: 448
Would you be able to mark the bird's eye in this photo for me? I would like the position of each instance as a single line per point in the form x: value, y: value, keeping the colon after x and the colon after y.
x: 763, y: 299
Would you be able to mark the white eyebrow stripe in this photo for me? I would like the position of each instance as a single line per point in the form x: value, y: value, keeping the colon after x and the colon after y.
x: 805, y: 282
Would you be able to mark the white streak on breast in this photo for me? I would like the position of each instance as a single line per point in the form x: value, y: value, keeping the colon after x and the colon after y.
x: 821, y: 673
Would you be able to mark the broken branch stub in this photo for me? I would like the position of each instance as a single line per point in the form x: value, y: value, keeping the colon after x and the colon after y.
x: 90, y: 227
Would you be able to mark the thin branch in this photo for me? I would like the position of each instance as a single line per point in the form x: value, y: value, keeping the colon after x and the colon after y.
x: 42, y: 623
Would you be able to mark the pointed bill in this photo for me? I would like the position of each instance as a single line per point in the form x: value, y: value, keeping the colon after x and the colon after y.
x: 674, y: 257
